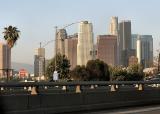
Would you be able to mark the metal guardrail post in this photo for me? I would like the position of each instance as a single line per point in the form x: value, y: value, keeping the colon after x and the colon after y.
x: 25, y: 88
x: 29, y: 88
x: 2, y: 88
x: 64, y: 88
x: 45, y: 87
x: 136, y: 86
x: 96, y: 86
x: 117, y: 86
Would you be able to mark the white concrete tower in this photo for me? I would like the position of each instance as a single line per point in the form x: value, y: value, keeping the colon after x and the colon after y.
x: 139, y: 49
x: 61, y: 36
x: 113, y: 27
x: 85, y: 44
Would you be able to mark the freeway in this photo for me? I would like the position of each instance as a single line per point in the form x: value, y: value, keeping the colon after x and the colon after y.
x: 136, y: 110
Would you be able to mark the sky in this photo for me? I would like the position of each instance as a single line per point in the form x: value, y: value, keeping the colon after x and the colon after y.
x: 36, y: 20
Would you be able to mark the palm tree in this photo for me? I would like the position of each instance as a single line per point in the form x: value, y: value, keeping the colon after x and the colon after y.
x: 11, y: 35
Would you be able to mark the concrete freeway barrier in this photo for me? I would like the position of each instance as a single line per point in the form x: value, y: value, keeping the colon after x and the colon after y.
x: 69, y: 101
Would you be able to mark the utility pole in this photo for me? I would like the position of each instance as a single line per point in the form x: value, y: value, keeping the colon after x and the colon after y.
x: 40, y: 44
x: 55, y: 46
x: 159, y: 63
x: 56, y: 39
x: 55, y: 73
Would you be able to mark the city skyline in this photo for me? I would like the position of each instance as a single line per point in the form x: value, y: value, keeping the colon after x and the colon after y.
x: 36, y: 21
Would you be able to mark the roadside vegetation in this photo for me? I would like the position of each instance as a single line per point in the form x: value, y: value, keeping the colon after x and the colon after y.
x: 95, y: 70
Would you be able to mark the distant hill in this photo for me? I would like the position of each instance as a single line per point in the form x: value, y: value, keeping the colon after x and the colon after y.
x: 18, y: 66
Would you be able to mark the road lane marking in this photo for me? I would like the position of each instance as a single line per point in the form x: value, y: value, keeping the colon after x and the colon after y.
x: 145, y: 109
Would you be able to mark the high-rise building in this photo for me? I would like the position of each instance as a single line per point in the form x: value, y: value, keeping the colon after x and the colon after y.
x: 143, y: 44
x: 125, y: 35
x: 95, y: 51
x: 5, y: 60
x: 39, y: 62
x: 40, y: 52
x: 39, y: 65
x: 145, y: 50
x: 134, y: 41
x: 132, y: 60
x: 124, y: 42
x: 107, y: 49
x: 61, y: 36
x: 71, y: 49
x: 138, y: 49
x: 85, y: 46
x: 113, y: 27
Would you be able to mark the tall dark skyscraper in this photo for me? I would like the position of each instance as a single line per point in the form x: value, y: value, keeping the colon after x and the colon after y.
x: 124, y: 42
x: 125, y: 35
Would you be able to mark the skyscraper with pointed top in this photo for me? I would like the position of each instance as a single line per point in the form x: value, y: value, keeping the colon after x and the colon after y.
x: 60, y: 45
x: 113, y: 27
x: 85, y: 46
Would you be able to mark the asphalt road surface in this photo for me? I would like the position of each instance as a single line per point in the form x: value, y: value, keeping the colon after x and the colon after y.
x: 135, y: 110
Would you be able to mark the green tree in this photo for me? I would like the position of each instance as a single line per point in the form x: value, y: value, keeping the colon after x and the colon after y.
x: 98, y: 70
x: 132, y: 73
x: 11, y: 35
x: 62, y: 67
x: 118, y: 73
x: 79, y: 73
x: 135, y: 73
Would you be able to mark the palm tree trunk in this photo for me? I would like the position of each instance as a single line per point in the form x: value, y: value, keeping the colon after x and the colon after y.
x: 8, y: 61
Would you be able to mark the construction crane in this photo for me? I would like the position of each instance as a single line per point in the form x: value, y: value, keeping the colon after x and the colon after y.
x: 57, y: 33
x: 55, y: 73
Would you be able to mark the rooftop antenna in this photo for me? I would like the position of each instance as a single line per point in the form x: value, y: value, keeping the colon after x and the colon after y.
x: 40, y: 44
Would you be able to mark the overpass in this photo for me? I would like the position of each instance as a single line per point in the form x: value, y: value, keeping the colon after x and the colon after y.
x: 63, y: 97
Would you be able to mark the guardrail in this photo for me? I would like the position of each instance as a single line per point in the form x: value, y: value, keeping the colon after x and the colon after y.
x: 114, y: 85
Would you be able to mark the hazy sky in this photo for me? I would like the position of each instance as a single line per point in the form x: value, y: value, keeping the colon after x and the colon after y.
x: 36, y: 20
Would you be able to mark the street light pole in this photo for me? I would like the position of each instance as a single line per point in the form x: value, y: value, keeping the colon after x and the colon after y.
x: 55, y: 47
x: 159, y: 63
x: 56, y: 34
x: 55, y: 73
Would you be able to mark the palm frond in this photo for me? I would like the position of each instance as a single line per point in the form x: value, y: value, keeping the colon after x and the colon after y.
x: 11, y: 35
